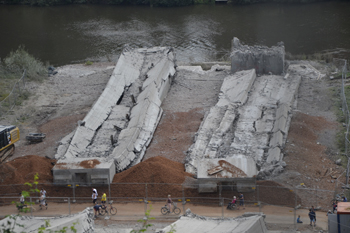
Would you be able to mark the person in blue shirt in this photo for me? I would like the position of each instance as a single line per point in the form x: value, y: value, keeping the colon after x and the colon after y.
x: 345, y: 199
x: 298, y: 220
x: 312, y: 216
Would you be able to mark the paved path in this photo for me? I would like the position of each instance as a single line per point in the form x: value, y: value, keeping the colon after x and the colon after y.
x: 135, y: 211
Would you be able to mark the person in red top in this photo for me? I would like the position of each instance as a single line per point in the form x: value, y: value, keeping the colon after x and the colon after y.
x: 233, y: 203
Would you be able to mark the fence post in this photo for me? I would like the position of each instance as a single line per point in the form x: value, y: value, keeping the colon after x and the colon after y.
x: 109, y: 191
x: 74, y: 186
x: 222, y: 208
x: 295, y: 209
x: 31, y: 208
x: 220, y: 193
x: 259, y: 203
x: 146, y: 192
x: 69, y: 205
x: 183, y: 199
x: 19, y: 89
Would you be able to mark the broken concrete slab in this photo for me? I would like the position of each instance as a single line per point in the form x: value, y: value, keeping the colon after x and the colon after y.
x: 118, y: 127
x: 235, y: 88
x: 265, y: 60
x: 194, y: 223
x: 237, y: 166
x: 274, y: 154
x: 276, y: 139
x: 81, y: 222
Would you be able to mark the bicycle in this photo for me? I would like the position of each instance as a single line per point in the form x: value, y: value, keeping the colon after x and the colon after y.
x: 112, y: 210
x: 165, y: 210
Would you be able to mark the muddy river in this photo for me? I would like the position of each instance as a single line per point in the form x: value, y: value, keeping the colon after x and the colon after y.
x: 77, y: 33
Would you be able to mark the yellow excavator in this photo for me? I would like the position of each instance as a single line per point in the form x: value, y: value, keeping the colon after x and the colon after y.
x: 8, y: 136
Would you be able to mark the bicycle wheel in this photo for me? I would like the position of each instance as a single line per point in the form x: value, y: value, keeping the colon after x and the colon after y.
x: 164, y: 210
x: 113, y: 210
x: 177, y: 210
x: 103, y: 211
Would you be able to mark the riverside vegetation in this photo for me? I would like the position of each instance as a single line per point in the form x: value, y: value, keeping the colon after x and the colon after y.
x: 12, y: 68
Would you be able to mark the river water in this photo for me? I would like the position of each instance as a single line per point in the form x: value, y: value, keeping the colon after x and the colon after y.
x: 77, y: 33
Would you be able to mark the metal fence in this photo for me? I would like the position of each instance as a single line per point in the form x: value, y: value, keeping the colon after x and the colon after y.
x: 341, y: 64
x: 11, y: 100
x: 255, y: 196
x: 133, y: 199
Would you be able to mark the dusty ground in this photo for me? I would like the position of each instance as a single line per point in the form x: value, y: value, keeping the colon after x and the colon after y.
x: 62, y: 100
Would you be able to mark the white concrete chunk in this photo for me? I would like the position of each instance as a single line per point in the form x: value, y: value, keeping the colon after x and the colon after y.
x: 273, y: 154
x: 276, y: 140
x: 235, y: 88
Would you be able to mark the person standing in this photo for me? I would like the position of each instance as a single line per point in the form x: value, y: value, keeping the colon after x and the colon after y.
x: 241, y: 200
x: 104, y: 199
x: 312, y: 216
x: 335, y: 205
x: 21, y: 199
x: 43, y: 192
x: 94, y: 195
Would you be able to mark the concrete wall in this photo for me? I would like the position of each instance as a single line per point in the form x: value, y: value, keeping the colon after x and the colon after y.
x: 68, y: 172
x: 261, y: 58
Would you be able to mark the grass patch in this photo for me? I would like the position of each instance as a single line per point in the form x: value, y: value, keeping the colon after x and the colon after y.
x: 88, y: 63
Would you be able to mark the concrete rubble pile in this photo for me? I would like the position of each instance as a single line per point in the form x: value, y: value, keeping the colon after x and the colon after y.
x: 263, y: 59
x: 82, y: 222
x: 248, y: 126
x: 191, y: 222
x: 121, y: 123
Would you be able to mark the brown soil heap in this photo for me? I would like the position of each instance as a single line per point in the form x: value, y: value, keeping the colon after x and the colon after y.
x: 154, y: 170
x: 23, y: 169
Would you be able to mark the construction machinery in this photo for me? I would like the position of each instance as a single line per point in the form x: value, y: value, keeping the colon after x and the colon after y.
x: 8, y: 136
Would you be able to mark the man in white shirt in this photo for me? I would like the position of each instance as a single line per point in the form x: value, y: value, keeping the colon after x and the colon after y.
x: 94, y: 196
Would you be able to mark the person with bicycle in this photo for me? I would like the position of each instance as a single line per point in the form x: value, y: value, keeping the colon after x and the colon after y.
x: 168, y: 202
x: 97, y: 209
x: 43, y: 201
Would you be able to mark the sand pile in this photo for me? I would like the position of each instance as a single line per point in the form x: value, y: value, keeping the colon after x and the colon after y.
x: 154, y: 170
x: 23, y: 169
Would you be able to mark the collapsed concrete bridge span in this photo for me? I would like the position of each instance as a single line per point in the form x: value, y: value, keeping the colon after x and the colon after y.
x: 250, y: 121
x: 115, y: 133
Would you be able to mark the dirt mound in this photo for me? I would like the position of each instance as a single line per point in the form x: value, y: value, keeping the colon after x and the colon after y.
x: 154, y: 170
x: 23, y: 169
